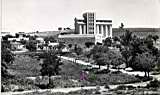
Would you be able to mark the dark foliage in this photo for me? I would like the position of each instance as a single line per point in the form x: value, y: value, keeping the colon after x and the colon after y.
x: 31, y: 45
x: 89, y: 44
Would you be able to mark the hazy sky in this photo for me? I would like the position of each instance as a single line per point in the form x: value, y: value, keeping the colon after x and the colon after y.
x: 45, y: 15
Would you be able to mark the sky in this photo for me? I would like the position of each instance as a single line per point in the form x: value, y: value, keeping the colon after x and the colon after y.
x: 48, y: 15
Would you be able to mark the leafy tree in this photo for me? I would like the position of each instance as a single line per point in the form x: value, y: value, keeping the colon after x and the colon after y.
x: 78, y: 50
x: 122, y: 26
x: 87, y: 54
x: 148, y: 42
x: 31, y: 45
x: 116, y: 38
x: 59, y: 28
x: 17, y: 35
x: 22, y: 41
x: 99, y: 49
x: 50, y: 64
x: 50, y: 38
x: 127, y: 56
x: 40, y: 46
x: 117, y: 61
x: 7, y: 57
x: 155, y: 38
x: 89, y: 44
x: 126, y: 38
x: 9, y: 36
x: 60, y: 47
x: 107, y: 42
x: 32, y: 37
x: 144, y: 62
x: 70, y: 45
x: 101, y: 59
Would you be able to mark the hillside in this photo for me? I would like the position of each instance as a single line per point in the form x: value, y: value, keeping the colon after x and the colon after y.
x: 138, y: 31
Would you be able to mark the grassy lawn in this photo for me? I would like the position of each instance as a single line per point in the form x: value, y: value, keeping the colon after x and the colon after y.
x: 25, y: 66
x: 73, y: 70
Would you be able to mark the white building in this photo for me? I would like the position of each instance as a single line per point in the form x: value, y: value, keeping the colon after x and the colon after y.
x: 101, y: 29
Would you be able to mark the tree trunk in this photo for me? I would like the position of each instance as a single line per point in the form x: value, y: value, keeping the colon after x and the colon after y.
x: 88, y: 59
x: 49, y: 81
x: 99, y: 66
x: 118, y: 68
x: 145, y: 74
x: 148, y: 74
x: 108, y: 67
x: 75, y: 60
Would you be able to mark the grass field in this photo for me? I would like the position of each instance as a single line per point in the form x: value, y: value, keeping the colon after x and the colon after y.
x: 25, y: 66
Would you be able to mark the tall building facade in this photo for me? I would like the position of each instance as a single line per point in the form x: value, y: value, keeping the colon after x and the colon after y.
x: 89, y: 25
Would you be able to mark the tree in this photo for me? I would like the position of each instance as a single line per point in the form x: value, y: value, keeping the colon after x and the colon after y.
x: 107, y: 42
x: 155, y: 38
x: 50, y: 64
x: 88, y: 55
x: 17, y: 35
x: 78, y: 50
x: 116, y: 38
x: 70, y: 45
x: 22, y: 41
x: 101, y: 59
x: 59, y: 28
x: 117, y: 61
x: 127, y: 56
x: 60, y: 47
x: 148, y: 42
x: 145, y: 62
x: 49, y: 39
x: 122, y: 26
x: 126, y: 38
x: 31, y: 45
x: 89, y: 44
x: 7, y: 57
x: 9, y: 36
x: 99, y: 49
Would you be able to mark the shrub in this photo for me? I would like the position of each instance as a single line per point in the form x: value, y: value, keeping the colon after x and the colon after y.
x: 130, y: 87
x: 106, y: 86
x: 104, y: 71
x: 121, y: 87
x: 143, y: 78
x: 153, y: 84
x: 20, y: 89
x: 97, y: 92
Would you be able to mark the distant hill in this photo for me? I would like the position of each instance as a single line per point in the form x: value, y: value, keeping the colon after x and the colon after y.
x: 138, y: 31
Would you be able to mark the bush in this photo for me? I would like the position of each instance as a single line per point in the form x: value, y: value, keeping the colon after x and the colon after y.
x: 20, y: 89
x: 121, y: 87
x: 42, y: 86
x: 104, y: 71
x: 153, y: 84
x: 143, y: 78
x: 97, y: 92
x: 130, y: 87
x: 106, y: 86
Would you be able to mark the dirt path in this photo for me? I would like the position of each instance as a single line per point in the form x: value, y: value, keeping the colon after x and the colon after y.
x: 64, y: 90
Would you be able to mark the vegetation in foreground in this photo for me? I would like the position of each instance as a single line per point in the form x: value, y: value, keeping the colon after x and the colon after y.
x: 138, y: 53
